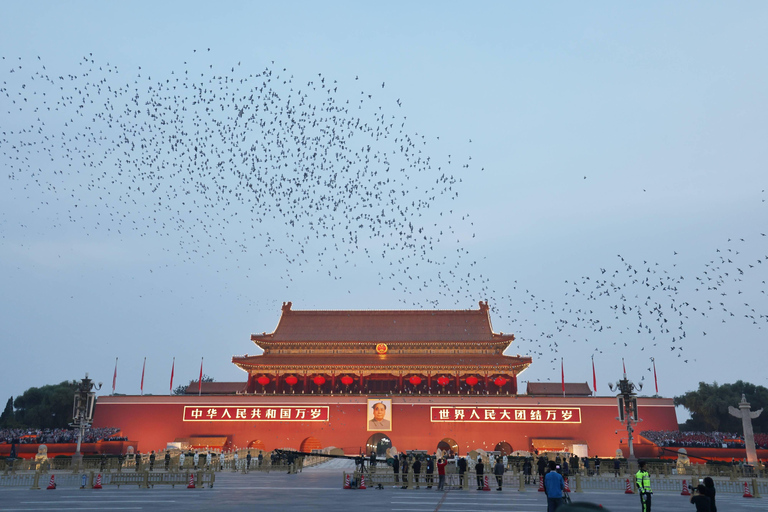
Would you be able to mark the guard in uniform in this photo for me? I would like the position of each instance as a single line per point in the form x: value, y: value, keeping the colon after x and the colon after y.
x: 643, y: 480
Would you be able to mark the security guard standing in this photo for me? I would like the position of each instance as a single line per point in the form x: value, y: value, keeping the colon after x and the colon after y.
x: 643, y: 480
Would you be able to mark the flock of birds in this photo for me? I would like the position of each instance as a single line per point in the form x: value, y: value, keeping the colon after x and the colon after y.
x: 268, y: 170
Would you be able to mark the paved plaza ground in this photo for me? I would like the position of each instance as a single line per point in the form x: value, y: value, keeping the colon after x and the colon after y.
x: 320, y: 488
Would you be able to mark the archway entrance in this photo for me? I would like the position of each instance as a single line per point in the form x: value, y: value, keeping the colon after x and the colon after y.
x: 378, y: 443
x: 309, y: 444
x: 257, y: 444
x: 449, y: 447
x: 504, y: 447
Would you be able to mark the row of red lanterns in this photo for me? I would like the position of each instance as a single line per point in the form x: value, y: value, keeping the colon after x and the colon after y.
x: 414, y: 379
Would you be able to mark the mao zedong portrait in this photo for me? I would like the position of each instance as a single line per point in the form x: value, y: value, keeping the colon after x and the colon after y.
x: 378, y: 422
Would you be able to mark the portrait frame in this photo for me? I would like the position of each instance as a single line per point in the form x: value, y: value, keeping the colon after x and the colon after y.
x: 370, y: 419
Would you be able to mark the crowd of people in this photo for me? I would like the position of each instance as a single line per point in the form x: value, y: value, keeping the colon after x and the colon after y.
x: 701, y: 439
x: 58, y: 435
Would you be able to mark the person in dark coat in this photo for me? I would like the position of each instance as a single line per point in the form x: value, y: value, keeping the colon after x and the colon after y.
x: 152, y: 461
x: 417, y: 472
x: 479, y: 469
x: 709, y: 491
x: 430, y: 471
x: 542, y: 467
x: 527, y: 469
x: 248, y: 461
x: 396, y: 468
x: 167, y: 460
x: 404, y: 470
x: 498, y: 471
x: 462, y: 464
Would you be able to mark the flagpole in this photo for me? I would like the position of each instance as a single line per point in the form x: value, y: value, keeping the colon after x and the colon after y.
x: 144, y: 367
x: 200, y: 380
x: 114, y: 378
x: 562, y: 376
x: 170, y: 388
x: 594, y: 377
x: 655, y: 382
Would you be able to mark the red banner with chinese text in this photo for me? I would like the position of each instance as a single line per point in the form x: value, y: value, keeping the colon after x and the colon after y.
x: 258, y: 413
x: 507, y: 414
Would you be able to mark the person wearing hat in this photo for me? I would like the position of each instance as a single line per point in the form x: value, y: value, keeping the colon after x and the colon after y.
x: 643, y: 481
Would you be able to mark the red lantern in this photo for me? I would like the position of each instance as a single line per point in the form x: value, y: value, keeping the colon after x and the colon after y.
x: 291, y: 380
x: 443, y: 381
x: 263, y: 380
x: 319, y: 380
x: 500, y: 381
x: 347, y: 380
x: 415, y: 380
x: 471, y: 380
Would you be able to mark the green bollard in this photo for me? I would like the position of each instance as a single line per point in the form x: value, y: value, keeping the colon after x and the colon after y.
x: 522, y: 482
x: 578, y: 483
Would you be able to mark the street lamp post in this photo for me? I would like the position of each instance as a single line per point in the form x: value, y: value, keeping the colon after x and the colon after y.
x: 82, y: 414
x: 627, y: 402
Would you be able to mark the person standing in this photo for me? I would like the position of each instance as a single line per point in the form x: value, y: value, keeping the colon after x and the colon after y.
x: 554, y: 485
x: 709, y: 490
x: 498, y: 471
x: 167, y: 459
x: 137, y: 460
x: 479, y: 469
x: 462, y: 465
x: 181, y: 461
x: 396, y: 468
x: 404, y: 470
x: 430, y: 471
x: 196, y: 459
x: 527, y: 467
x: 700, y: 499
x: 260, y: 458
x: 152, y: 461
x: 441, y: 473
x: 643, y: 481
x: 234, y: 459
x: 542, y: 467
x: 417, y: 472
x: 248, y: 460
x: 616, y: 466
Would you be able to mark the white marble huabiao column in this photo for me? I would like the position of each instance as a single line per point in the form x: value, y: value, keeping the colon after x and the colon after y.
x: 747, y: 416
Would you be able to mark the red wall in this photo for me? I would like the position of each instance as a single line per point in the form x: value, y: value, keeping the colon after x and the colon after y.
x: 152, y: 421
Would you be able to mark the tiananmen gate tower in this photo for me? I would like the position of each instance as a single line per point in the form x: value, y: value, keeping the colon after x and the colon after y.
x: 363, y: 380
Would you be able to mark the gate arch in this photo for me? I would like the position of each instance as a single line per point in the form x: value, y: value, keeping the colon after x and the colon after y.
x: 309, y: 444
x: 449, y: 446
x: 378, y: 443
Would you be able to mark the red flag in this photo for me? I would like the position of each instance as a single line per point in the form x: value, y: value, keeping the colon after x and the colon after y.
x: 200, y: 380
x: 562, y: 375
x: 656, y: 382
x: 170, y: 389
x: 594, y: 377
x: 114, y: 378
x: 625, y: 367
x: 142, y: 375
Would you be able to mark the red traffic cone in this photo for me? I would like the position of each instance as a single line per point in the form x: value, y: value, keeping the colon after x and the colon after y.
x: 191, y: 481
x: 362, y: 481
x: 347, y: 483
x: 747, y: 494
x: 486, y: 487
x: 685, y: 492
x: 52, y: 483
x: 568, y: 487
x: 97, y: 485
x: 541, y: 484
x: 629, y: 490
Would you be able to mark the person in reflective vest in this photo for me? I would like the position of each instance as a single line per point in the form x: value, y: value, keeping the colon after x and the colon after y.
x: 643, y: 480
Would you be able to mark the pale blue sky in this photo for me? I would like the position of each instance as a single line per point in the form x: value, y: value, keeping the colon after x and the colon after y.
x: 596, y: 129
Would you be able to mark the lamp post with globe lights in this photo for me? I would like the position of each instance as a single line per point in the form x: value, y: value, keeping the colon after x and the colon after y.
x: 82, y: 414
x: 627, y: 402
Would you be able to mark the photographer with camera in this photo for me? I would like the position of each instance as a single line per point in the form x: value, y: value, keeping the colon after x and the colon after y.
x: 700, y: 499
x: 709, y: 485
